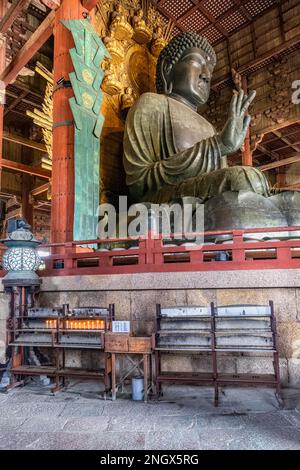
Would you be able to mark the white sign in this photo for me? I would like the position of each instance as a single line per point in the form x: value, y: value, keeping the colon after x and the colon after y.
x: 121, y: 326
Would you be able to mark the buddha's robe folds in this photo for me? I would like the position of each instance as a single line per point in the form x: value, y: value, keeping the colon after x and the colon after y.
x: 170, y: 152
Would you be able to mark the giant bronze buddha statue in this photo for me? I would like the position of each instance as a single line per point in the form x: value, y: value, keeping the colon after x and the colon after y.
x: 172, y: 152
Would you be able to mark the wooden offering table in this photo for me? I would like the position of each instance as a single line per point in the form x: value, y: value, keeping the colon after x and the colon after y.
x: 136, y: 351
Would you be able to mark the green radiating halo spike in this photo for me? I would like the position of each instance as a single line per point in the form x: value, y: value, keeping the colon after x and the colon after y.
x: 86, y: 80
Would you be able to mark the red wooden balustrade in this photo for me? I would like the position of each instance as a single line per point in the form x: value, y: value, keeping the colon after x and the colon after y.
x: 152, y: 254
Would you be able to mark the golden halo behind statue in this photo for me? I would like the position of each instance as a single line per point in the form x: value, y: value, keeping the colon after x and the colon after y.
x: 140, y: 66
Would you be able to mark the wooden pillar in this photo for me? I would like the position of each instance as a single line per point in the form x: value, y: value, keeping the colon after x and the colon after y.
x: 62, y: 210
x: 280, y: 178
x: 2, y: 97
x: 3, y: 7
x: 246, y: 153
x: 27, y: 207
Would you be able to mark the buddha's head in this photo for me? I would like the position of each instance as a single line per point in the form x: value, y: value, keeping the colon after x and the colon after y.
x: 184, y: 69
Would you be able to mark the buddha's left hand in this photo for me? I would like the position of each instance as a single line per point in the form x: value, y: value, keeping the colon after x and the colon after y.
x: 233, y: 135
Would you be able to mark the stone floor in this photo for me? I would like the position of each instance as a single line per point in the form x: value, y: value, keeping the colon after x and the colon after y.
x: 184, y: 419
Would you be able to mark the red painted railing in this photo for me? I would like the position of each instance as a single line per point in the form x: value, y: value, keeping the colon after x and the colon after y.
x: 155, y: 254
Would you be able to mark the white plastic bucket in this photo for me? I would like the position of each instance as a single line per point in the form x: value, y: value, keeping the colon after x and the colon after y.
x: 137, y: 384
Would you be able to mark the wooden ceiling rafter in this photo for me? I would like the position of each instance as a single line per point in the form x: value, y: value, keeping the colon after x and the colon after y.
x: 236, y: 10
x: 34, y: 43
x: 22, y: 168
x: 20, y: 140
x: 286, y: 145
x: 166, y: 14
x: 22, y: 115
x: 213, y: 21
x: 271, y: 154
x: 20, y: 86
x: 291, y: 186
x: 278, y: 163
x: 285, y: 140
x: 40, y: 190
x: 277, y: 149
x: 241, y: 7
x: 15, y: 102
x: 12, y: 14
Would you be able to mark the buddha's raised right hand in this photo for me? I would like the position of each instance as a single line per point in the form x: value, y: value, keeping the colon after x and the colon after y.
x: 234, y: 132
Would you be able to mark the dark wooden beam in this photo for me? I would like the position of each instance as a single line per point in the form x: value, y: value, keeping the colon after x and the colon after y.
x: 240, y: 6
x: 11, y: 14
x: 188, y: 13
x: 286, y: 141
x: 15, y: 102
x: 34, y: 171
x: 23, y: 87
x: 212, y: 20
x: 40, y: 189
x: 17, y: 139
x: 170, y: 16
x: 286, y: 146
x: 278, y: 163
x: 273, y: 155
x: 290, y: 186
x: 23, y: 115
x: 34, y: 43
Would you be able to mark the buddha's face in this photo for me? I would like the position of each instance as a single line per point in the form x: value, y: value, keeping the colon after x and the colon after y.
x: 191, y: 76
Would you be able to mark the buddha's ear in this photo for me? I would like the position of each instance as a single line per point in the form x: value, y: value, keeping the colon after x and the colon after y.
x: 165, y: 72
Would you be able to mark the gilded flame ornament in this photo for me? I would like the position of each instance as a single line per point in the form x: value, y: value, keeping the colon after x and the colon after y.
x: 120, y: 27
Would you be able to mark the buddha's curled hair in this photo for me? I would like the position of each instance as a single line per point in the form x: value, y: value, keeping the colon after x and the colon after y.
x: 175, y: 49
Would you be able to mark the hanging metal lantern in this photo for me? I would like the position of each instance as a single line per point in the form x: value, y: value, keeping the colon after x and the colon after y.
x: 21, y: 259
